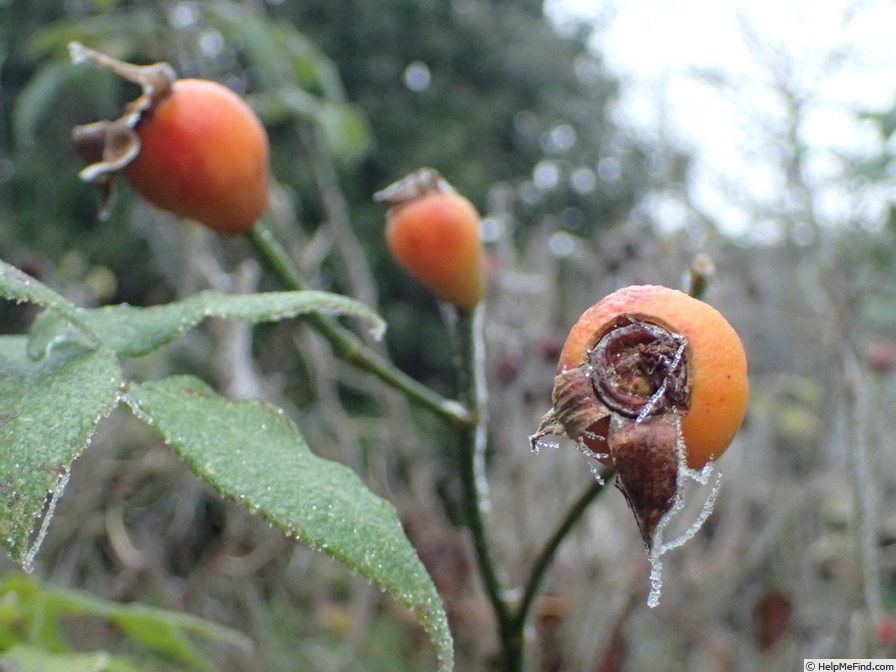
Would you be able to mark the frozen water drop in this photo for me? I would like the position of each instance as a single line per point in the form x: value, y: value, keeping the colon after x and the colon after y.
x: 594, y: 436
x: 659, y: 546
x: 378, y: 330
x: 545, y: 443
x: 597, y: 472
x: 595, y: 461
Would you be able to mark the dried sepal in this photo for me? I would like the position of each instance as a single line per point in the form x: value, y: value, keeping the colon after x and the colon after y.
x: 109, y: 146
x: 548, y: 426
x: 645, y: 455
x: 579, y: 410
x: 420, y: 182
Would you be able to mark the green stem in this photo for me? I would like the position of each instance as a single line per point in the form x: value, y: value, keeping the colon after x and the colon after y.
x: 511, y: 620
x: 345, y: 344
x: 471, y: 470
x: 276, y: 257
x: 472, y: 436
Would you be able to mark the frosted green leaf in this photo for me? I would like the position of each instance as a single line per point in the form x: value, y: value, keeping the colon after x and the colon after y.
x: 48, y: 413
x: 134, y: 332
x: 256, y: 456
x: 13, y: 348
x: 21, y: 287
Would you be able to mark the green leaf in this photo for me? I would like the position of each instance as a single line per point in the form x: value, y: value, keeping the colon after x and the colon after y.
x: 345, y: 130
x: 158, y: 630
x: 164, y: 637
x: 48, y: 413
x: 37, y: 98
x: 14, y: 348
x: 300, y: 80
x: 118, y: 34
x: 24, y: 658
x: 256, y: 456
x: 282, y: 54
x: 247, y: 26
x: 134, y: 332
x: 161, y: 631
x: 21, y: 287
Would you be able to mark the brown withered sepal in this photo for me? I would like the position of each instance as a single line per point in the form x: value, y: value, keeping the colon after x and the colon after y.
x: 645, y: 456
x: 108, y: 146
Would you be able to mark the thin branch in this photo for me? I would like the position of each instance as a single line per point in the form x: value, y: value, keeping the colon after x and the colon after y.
x: 347, y: 345
x: 470, y: 456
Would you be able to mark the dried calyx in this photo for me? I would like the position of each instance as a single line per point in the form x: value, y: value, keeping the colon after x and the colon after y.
x: 624, y: 403
x: 638, y: 369
x: 108, y: 146
x: 415, y: 185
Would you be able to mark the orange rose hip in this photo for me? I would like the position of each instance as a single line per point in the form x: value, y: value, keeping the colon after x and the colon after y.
x: 189, y: 146
x: 716, y: 365
x: 433, y: 232
x: 650, y: 379
x: 203, y: 155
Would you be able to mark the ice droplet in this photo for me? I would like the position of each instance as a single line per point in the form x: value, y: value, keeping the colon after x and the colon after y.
x: 545, y: 443
x: 77, y: 53
x: 595, y: 464
x: 701, y: 475
x: 378, y: 330
x: 596, y: 471
x: 705, y: 512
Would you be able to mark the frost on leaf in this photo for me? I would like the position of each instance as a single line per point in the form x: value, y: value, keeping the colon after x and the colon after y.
x: 49, y: 410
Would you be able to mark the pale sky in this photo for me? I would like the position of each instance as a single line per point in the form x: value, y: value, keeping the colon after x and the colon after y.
x: 672, y: 55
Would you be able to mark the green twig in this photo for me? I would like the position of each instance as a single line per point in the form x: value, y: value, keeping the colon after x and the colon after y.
x: 511, y: 619
x: 471, y: 469
x: 702, y: 271
x: 469, y: 418
x: 345, y: 344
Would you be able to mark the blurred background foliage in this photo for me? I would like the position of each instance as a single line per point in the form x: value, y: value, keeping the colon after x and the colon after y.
x: 800, y: 557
